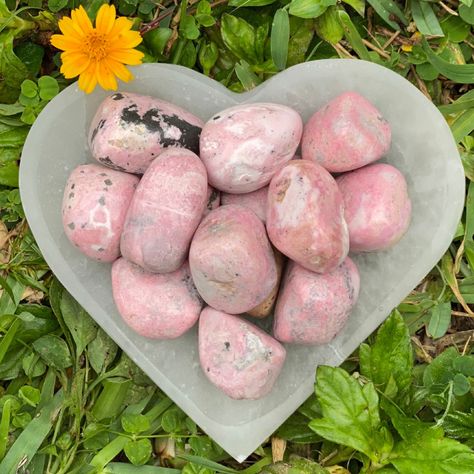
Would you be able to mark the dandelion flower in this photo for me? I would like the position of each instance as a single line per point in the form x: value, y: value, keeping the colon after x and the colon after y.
x: 97, y: 54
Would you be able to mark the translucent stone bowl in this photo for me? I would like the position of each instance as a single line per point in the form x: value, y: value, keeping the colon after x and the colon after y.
x: 423, y: 149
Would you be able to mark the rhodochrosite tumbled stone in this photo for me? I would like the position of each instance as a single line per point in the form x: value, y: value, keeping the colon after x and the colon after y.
x: 377, y: 207
x: 166, y: 209
x: 94, y: 207
x: 243, y: 146
x: 213, y: 200
x: 305, y: 216
x: 231, y: 260
x: 312, y: 308
x: 129, y: 130
x: 238, y: 357
x: 256, y: 201
x: 349, y: 132
x: 158, y: 306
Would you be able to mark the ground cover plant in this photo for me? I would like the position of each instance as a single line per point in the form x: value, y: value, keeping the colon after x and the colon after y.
x: 72, y: 402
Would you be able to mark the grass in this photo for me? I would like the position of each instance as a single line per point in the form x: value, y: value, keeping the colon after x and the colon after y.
x: 72, y: 402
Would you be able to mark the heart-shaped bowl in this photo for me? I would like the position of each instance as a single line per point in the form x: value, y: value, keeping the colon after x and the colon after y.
x: 422, y: 148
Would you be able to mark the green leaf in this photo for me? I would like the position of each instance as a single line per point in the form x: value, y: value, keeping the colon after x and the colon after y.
x: 426, y: 72
x: 387, y: 9
x: 9, y: 174
x: 83, y: 329
x: 250, y: 3
x: 329, y: 27
x: 54, y: 351
x: 138, y: 452
x: 188, y: 28
x: 350, y: 412
x: 208, y: 55
x: 126, y: 468
x: 432, y: 453
x: 357, y: 5
x: 156, y: 40
x: 279, y: 38
x: 467, y: 13
x: 390, y: 357
x: 101, y: 351
x: 353, y: 36
x: 441, y: 371
x: 425, y: 19
x: 12, y: 70
x: 461, y: 385
x: 33, y: 366
x: 48, y: 87
x: 462, y: 73
x: 465, y: 365
x: 135, y: 423
x: 440, y: 320
x: 31, y: 55
x: 29, y: 88
x: 30, y: 395
x: 302, y: 32
x: 56, y: 5
x: 246, y: 76
x: 200, y: 461
x: 454, y: 28
x: 173, y: 420
x: 459, y: 425
x: 203, y: 14
x: 239, y: 37
x: 296, y: 430
x: 309, y: 8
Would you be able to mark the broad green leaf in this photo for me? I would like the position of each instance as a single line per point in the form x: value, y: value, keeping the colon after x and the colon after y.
x: 425, y: 18
x: 387, y: 9
x: 204, y: 14
x: 454, y: 28
x: 440, y: 320
x: 459, y: 425
x: 208, y: 55
x: 173, y: 420
x: 12, y: 136
x: 462, y: 73
x: 329, y: 27
x: 357, y: 5
x: 390, y: 357
x: 350, y: 412
x: 156, y: 40
x: 467, y: 13
x: 468, y: 3
x: 299, y: 465
x: 309, y: 8
x: 189, y: 55
x: 279, y: 38
x: 56, y: 5
x: 239, y: 37
x: 54, y: 351
x: 461, y: 385
x: 81, y: 326
x: 246, y: 76
x: 188, y: 27
x: 29, y: 88
x: 33, y: 366
x: 48, y: 87
x: 135, y: 423
x: 31, y: 55
x: 138, y: 452
x: 261, y: 36
x: 101, y: 351
x: 9, y: 174
x: 302, y: 32
x: 201, y: 461
x: 204, y: 446
x: 432, y: 453
x: 465, y: 365
x: 296, y: 430
x: 30, y: 395
x: 441, y: 371
x: 353, y: 36
x: 12, y: 71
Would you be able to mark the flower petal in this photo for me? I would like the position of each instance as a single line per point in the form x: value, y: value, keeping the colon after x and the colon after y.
x: 105, y: 76
x: 65, y: 43
x: 88, y: 79
x: 74, y: 64
x: 127, y: 56
x: 105, y: 19
x: 80, y: 18
x: 69, y: 28
x: 121, y: 25
x: 119, y: 70
x: 127, y: 39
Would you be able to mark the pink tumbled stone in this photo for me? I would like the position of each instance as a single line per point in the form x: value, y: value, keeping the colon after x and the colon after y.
x: 231, y: 260
x: 213, y: 200
x: 165, y: 211
x: 239, y: 358
x: 305, y: 216
x: 154, y: 305
x: 129, y: 131
x: 312, y: 308
x: 347, y: 133
x: 256, y: 201
x: 377, y: 206
x: 243, y: 146
x: 94, y: 207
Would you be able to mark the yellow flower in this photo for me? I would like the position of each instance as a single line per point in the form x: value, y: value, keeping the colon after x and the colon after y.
x: 97, y: 54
